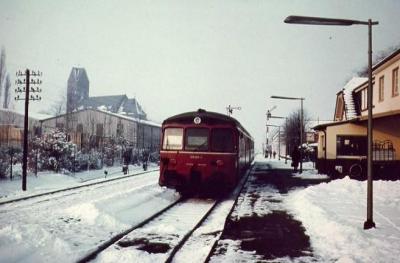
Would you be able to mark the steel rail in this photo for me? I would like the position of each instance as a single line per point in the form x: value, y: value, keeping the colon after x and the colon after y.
x: 230, y: 213
x: 72, y: 188
x: 188, y: 234
x: 93, y: 254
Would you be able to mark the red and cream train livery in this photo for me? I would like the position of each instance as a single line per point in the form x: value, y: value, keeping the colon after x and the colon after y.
x: 203, y: 150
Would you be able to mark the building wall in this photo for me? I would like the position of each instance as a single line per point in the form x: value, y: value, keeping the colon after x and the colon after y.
x: 8, y: 117
x: 383, y: 130
x: 96, y: 123
x: 89, y: 122
x: 389, y: 103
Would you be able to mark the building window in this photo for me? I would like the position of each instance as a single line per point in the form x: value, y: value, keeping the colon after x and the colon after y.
x: 381, y: 88
x: 395, y: 82
x: 339, y: 108
x: 79, y: 128
x: 351, y: 145
x: 364, y: 99
x: 60, y: 125
x: 120, y: 130
x: 99, y: 130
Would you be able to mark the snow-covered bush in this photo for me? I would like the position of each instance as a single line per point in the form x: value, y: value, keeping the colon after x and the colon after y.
x: 52, y: 151
x: 5, y: 159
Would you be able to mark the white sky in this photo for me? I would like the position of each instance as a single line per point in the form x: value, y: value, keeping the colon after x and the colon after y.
x: 177, y: 56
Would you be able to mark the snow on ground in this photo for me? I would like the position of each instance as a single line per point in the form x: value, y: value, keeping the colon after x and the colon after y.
x: 204, y: 237
x: 49, y: 181
x: 62, y: 230
x: 166, y: 230
x: 65, y: 227
x: 334, y: 213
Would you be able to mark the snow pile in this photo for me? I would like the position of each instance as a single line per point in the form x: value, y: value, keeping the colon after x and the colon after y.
x: 334, y: 213
x: 348, y: 89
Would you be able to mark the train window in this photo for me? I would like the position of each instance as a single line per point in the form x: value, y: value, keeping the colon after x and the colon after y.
x: 173, y: 139
x: 222, y: 140
x: 196, y: 139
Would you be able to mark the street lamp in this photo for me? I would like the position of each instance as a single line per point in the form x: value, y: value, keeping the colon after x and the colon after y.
x: 301, y: 125
x: 369, y: 223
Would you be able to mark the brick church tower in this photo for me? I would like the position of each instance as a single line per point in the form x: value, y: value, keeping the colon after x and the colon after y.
x: 78, y: 89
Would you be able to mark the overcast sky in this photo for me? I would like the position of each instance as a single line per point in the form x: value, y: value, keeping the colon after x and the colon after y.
x: 178, y: 56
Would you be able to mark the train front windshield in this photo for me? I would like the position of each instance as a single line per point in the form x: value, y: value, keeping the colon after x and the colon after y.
x: 173, y: 139
x: 199, y: 139
x: 196, y: 139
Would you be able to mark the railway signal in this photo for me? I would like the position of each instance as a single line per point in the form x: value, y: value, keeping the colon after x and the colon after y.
x: 230, y: 109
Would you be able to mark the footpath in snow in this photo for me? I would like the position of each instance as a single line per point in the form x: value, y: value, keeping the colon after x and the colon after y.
x: 334, y: 213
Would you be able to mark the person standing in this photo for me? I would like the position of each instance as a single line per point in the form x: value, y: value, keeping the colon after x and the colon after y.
x: 295, y: 158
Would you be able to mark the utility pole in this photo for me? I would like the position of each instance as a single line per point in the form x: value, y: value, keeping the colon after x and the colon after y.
x: 20, y: 89
x: 266, y: 135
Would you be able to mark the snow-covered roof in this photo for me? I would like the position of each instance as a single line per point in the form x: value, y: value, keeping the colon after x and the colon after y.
x: 348, y: 96
x: 147, y: 122
x: 31, y: 115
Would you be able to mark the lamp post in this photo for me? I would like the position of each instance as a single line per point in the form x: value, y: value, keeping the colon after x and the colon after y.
x: 301, y: 125
x: 369, y: 223
x: 268, y: 117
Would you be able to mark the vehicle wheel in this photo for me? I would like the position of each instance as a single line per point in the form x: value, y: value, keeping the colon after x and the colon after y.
x: 355, y: 171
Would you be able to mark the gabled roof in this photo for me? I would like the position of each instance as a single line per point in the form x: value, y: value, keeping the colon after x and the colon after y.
x: 131, y: 106
x: 122, y: 116
x: 383, y: 61
x: 109, y: 103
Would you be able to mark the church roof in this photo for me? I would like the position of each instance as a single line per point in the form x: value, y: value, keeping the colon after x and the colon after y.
x: 109, y: 103
x: 133, y: 107
x: 116, y: 104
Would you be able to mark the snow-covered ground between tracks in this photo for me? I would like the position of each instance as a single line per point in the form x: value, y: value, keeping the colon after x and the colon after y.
x: 64, y: 227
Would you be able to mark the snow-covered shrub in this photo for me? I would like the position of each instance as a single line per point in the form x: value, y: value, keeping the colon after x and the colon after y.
x: 52, y: 151
x: 5, y: 159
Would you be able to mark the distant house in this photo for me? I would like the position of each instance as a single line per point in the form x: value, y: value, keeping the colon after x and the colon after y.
x: 342, y: 145
x: 12, y: 126
x: 78, y: 98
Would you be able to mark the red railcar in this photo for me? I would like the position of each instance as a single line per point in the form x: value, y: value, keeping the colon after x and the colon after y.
x: 203, y: 150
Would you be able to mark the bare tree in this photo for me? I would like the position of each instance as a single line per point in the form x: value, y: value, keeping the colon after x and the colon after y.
x: 2, y: 70
x: 292, y: 129
x: 58, y: 107
x: 7, y: 92
x: 379, y: 56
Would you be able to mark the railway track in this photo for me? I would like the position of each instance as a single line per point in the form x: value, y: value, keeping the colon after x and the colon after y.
x: 164, y: 234
x: 69, y: 189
